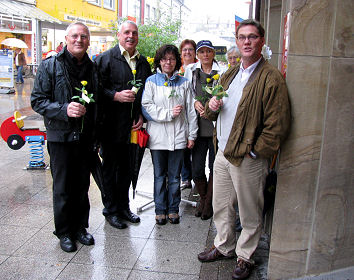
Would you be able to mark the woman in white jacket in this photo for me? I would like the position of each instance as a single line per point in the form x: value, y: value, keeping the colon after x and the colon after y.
x: 167, y: 104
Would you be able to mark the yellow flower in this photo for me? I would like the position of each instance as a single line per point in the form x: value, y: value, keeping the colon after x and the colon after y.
x: 216, y: 77
x: 238, y: 59
x: 84, y: 83
x: 165, y: 84
x: 208, y: 80
x: 228, y: 65
x: 134, y: 72
x: 84, y: 91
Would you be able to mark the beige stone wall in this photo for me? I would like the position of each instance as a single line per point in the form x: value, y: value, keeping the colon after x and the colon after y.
x: 313, y: 223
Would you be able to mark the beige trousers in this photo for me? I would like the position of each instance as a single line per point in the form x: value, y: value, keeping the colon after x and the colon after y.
x: 244, y: 185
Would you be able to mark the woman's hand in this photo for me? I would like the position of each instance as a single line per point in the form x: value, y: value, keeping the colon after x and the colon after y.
x: 190, y: 144
x: 176, y: 111
x: 200, y: 108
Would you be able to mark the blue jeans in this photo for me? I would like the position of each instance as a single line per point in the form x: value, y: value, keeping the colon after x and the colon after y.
x: 19, y: 77
x: 167, y: 195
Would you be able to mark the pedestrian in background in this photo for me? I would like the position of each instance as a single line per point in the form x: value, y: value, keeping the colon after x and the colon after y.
x: 233, y: 56
x: 172, y: 125
x: 187, y: 50
x: 20, y: 61
x: 60, y: 47
x: 118, y: 67
x: 199, y: 73
x: 70, y: 128
x: 247, y: 138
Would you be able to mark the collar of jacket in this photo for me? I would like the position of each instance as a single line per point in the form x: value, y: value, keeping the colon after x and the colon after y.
x: 215, y: 66
x: 164, y: 76
x: 230, y: 74
x: 118, y: 54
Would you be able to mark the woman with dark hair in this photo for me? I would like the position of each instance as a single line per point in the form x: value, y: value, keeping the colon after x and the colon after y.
x: 167, y: 104
x: 187, y: 49
x: 201, y: 74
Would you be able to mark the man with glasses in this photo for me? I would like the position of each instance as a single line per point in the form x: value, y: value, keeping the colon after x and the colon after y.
x: 70, y: 132
x: 247, y: 137
x: 122, y: 113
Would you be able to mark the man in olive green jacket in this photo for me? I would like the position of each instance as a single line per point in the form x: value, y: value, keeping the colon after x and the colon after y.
x: 251, y: 124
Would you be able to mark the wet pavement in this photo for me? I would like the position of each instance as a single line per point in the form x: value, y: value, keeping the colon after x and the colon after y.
x: 29, y: 250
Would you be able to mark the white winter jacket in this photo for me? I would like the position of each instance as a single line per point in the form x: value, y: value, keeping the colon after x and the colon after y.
x: 166, y: 132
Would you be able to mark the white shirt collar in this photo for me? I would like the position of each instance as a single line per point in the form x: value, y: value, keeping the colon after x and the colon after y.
x: 246, y: 73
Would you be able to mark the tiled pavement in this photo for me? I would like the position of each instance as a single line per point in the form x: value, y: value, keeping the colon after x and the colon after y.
x: 29, y: 250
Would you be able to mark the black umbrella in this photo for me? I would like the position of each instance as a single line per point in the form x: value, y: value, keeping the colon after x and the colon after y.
x: 96, y: 171
x: 138, y: 141
x: 270, y: 187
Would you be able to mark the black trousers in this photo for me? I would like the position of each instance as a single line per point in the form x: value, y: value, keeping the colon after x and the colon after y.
x: 70, y: 167
x: 116, y: 177
x: 199, y: 154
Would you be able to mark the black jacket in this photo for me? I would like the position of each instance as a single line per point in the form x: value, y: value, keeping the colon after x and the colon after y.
x: 115, y: 73
x: 51, y: 95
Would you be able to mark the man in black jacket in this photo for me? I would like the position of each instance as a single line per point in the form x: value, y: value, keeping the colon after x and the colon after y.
x: 122, y: 113
x: 70, y: 132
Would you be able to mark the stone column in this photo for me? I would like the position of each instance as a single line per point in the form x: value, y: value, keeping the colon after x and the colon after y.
x: 313, y: 224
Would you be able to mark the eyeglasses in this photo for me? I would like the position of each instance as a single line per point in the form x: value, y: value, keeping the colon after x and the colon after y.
x: 251, y: 38
x: 76, y: 36
x: 168, y: 59
x: 188, y: 50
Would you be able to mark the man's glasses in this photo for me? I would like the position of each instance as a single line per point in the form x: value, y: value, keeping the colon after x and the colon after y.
x: 76, y: 36
x: 251, y: 38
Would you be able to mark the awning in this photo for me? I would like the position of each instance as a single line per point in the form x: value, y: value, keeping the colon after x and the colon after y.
x: 9, y: 8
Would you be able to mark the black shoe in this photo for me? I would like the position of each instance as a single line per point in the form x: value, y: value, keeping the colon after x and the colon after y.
x: 173, y: 218
x: 129, y: 216
x: 114, y: 221
x: 161, y: 219
x: 67, y: 244
x: 84, y: 237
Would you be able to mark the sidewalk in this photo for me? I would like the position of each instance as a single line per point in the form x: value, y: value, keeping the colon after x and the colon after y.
x: 29, y: 250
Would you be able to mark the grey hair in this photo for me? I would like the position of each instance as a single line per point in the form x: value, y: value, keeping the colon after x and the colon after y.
x: 231, y: 50
x: 127, y: 22
x: 71, y: 25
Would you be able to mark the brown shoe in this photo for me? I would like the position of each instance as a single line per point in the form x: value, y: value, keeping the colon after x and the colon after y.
x: 242, y: 269
x: 211, y: 255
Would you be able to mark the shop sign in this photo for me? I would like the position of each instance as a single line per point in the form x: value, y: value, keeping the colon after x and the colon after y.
x: 220, y: 50
x: 83, y: 20
x: 6, y: 68
x: 13, y: 26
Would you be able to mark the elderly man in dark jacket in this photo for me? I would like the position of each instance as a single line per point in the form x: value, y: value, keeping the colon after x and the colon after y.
x: 70, y: 132
x: 122, y: 113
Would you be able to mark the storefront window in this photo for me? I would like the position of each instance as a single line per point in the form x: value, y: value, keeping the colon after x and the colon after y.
x: 108, y: 4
